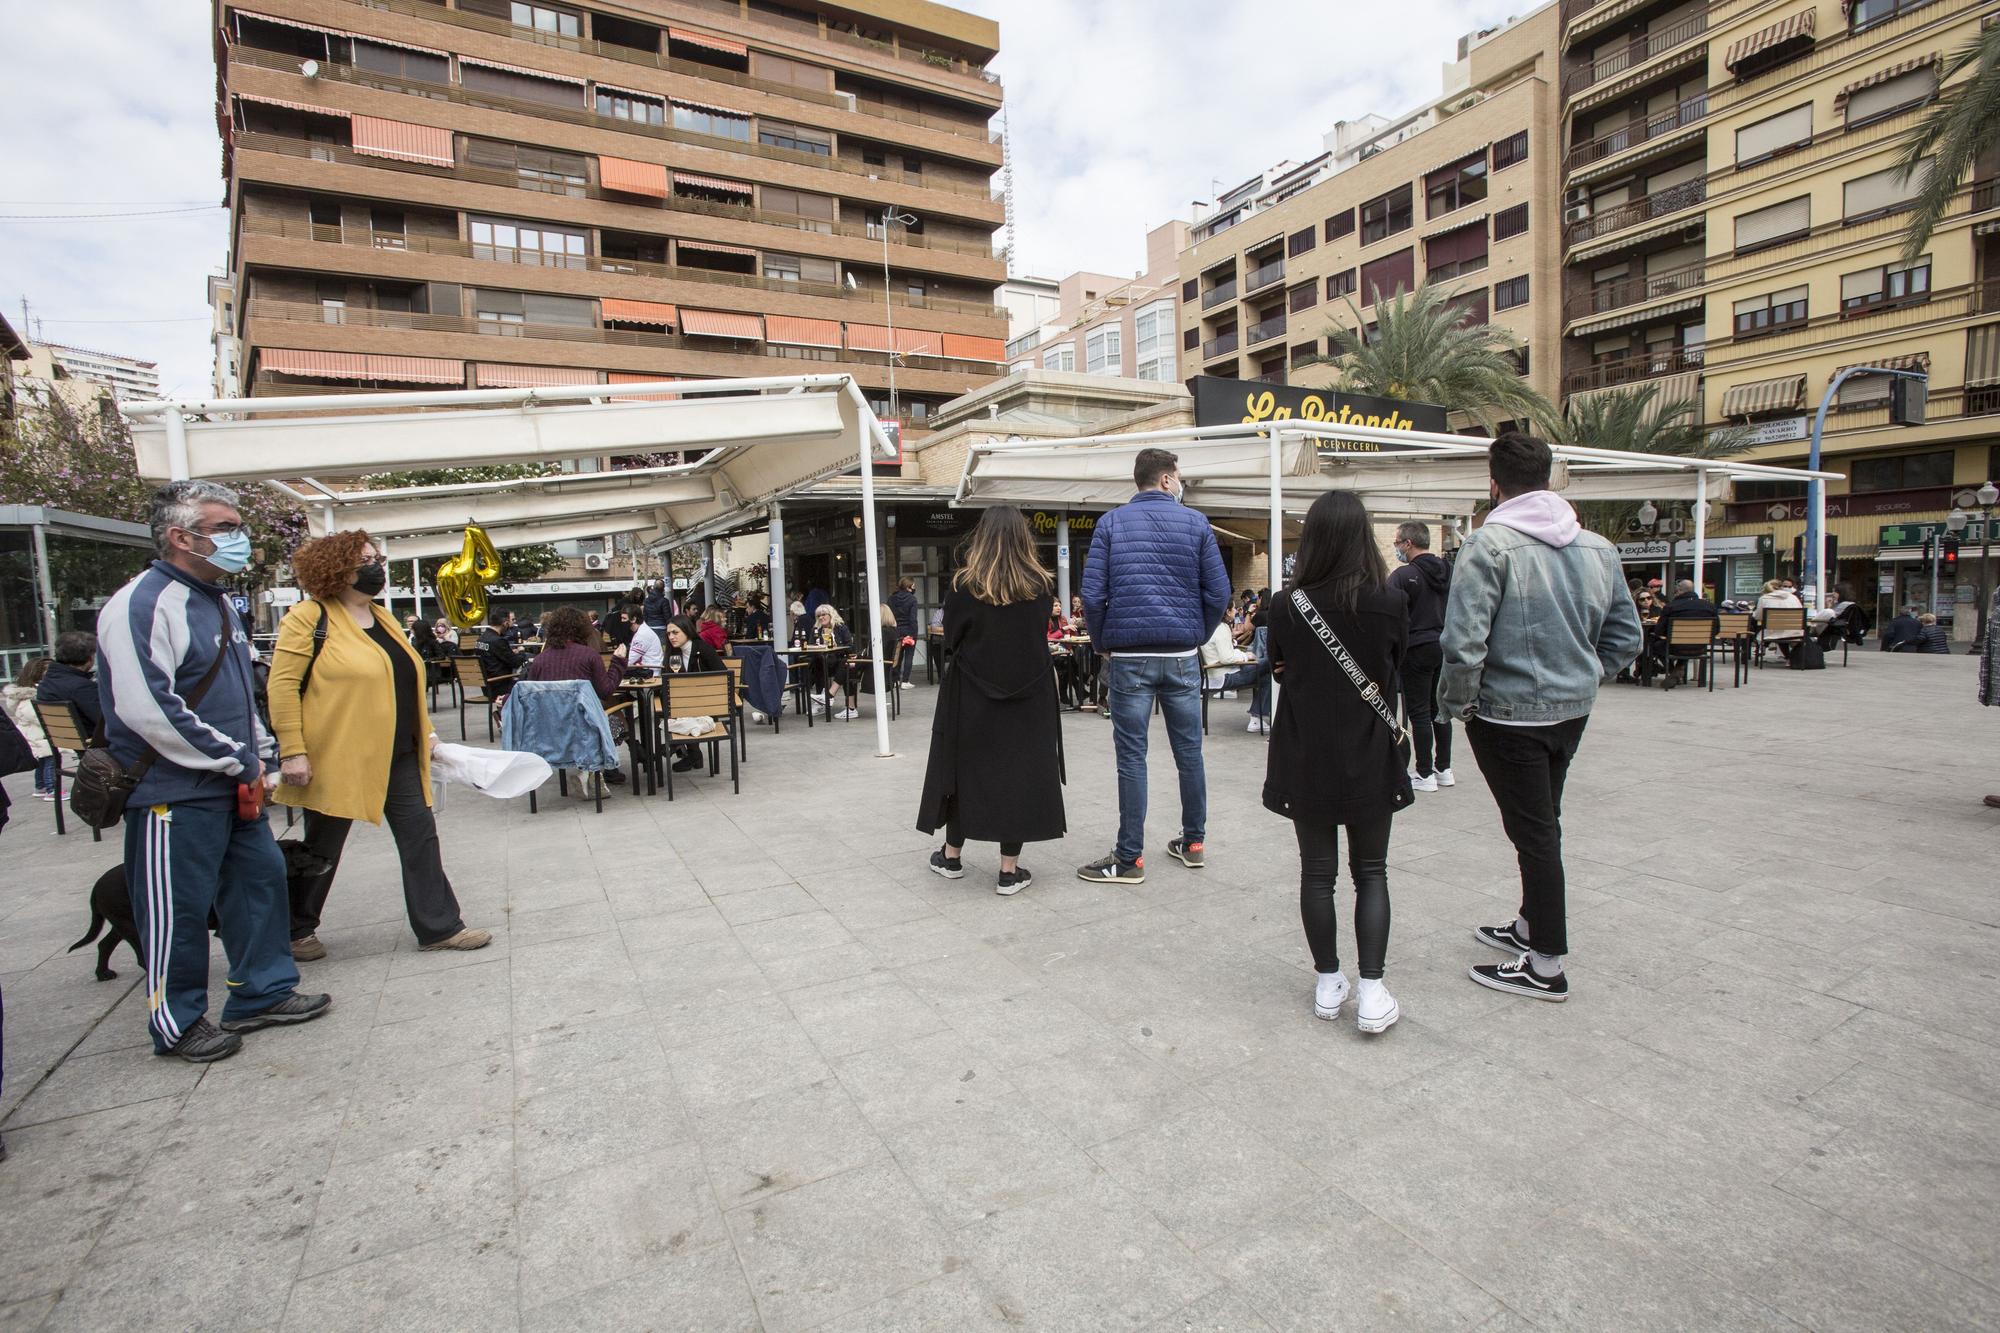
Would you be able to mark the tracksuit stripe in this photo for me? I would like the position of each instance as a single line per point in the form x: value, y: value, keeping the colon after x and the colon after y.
x: 160, y: 924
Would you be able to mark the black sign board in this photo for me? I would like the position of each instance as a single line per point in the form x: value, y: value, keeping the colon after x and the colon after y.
x: 1221, y: 402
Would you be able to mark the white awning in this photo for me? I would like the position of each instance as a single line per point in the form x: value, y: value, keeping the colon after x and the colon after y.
x: 567, y: 496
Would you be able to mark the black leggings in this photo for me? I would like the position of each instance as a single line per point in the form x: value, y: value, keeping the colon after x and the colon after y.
x: 954, y: 838
x: 1368, y: 865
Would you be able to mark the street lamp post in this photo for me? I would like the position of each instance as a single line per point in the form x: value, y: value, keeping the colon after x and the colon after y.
x: 891, y: 215
x: 1985, y: 497
x: 1815, y: 543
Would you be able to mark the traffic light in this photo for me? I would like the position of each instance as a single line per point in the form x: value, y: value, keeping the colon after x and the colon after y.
x: 1947, y: 556
x: 1907, y: 398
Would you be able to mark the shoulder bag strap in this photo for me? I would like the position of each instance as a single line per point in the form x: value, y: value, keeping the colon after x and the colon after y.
x: 1368, y: 689
x: 194, y: 697
x: 319, y: 643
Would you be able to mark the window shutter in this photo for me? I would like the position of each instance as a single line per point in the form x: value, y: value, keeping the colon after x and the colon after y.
x: 1866, y: 283
x: 1787, y: 129
x: 1904, y: 90
x: 1766, y: 225
x: 1880, y: 191
x: 1387, y: 274
x: 540, y: 308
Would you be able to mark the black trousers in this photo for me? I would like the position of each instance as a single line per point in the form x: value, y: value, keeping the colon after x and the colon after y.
x: 1319, y: 868
x: 954, y: 838
x: 427, y: 893
x: 1524, y: 768
x: 1430, y: 729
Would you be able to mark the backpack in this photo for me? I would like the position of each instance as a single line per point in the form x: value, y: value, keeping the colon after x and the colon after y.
x: 1807, y: 655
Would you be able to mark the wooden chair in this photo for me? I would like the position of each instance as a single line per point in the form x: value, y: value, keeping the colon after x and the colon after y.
x: 596, y: 785
x: 1787, y: 620
x: 1733, y: 637
x: 709, y: 694
x: 889, y: 677
x: 63, y: 726
x: 1684, y: 635
x: 475, y: 686
x: 735, y: 667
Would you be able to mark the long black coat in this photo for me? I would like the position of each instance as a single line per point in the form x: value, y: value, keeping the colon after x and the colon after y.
x: 996, y: 740
x: 1332, y: 759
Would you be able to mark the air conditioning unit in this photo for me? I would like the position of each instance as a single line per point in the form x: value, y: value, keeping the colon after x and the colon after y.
x: 846, y: 99
x: 597, y: 562
x: 1576, y: 213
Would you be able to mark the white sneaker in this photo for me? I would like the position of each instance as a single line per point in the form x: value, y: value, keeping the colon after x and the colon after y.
x: 907, y: 685
x: 1229, y: 694
x: 1445, y: 779
x: 1423, y: 784
x: 1375, y: 1010
x: 1256, y: 725
x: 1330, y: 994
x: 847, y: 715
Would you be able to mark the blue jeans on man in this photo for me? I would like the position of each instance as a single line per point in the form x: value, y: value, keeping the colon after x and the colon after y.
x: 1137, y: 684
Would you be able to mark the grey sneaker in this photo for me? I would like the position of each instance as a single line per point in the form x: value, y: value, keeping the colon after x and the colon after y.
x: 1013, y: 881
x: 294, y: 1008
x: 1191, y: 854
x: 1111, y: 870
x: 202, y: 1044
x: 308, y: 949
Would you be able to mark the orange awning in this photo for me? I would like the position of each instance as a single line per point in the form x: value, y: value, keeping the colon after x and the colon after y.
x: 702, y: 39
x: 796, y: 331
x: 965, y: 347
x: 638, y: 312
x: 919, y: 342
x: 722, y: 324
x: 711, y: 183
x: 869, y: 338
x: 402, y: 141
x: 629, y: 177
x: 361, y: 366
x: 627, y: 377
x: 717, y: 248
x: 530, y: 377
x: 306, y: 107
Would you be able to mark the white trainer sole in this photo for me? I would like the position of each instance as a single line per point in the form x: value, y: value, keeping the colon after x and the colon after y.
x: 1382, y: 1024
x: 1322, y: 1011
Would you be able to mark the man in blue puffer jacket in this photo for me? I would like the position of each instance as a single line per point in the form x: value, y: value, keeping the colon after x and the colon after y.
x: 1154, y: 588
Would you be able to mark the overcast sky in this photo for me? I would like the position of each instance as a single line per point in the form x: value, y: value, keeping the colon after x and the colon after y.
x: 1121, y: 114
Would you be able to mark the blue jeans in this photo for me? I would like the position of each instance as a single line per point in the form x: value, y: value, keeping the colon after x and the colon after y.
x: 1258, y: 676
x: 1175, y: 682
x: 45, y: 773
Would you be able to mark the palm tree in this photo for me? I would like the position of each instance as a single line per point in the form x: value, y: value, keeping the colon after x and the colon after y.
x: 1639, y: 421
x: 1961, y: 127
x: 1423, y: 350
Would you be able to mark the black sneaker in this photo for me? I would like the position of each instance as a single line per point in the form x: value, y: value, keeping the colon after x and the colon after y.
x: 1520, y: 978
x: 294, y: 1008
x: 1013, y: 881
x: 1111, y: 870
x: 203, y: 1044
x: 1504, y: 938
x: 614, y: 776
x: 687, y: 763
x: 951, y: 867
x: 1189, y: 853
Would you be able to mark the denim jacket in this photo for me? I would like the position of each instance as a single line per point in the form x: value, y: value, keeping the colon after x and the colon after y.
x: 1530, y: 629
x: 560, y: 720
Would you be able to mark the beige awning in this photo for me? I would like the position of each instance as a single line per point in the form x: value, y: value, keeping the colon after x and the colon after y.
x: 306, y: 107
x: 717, y: 248
x: 360, y: 366
x: 1883, y: 76
x: 1636, y: 312
x: 711, y: 107
x: 1798, y: 27
x: 530, y: 377
x: 521, y: 69
x: 1782, y: 394
x: 1900, y: 361
x: 1982, y: 356
x: 1456, y: 224
x: 710, y: 183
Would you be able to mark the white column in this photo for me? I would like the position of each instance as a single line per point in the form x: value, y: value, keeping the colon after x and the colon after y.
x: 417, y: 589
x: 1274, y: 563
x: 177, y: 445
x: 1818, y: 589
x: 388, y: 596
x: 1062, y: 557
x: 873, y: 611
x: 1701, y: 530
x: 781, y: 616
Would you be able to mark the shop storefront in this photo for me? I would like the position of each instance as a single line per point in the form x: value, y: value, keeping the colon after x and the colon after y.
x: 1733, y: 568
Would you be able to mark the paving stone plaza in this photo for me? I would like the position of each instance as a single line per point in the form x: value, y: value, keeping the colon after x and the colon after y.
x: 742, y: 1062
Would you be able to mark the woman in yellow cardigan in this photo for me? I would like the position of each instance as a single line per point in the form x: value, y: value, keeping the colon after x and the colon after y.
x: 355, y: 738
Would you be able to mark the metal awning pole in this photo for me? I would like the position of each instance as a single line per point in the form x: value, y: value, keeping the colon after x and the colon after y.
x: 177, y: 446
x: 1701, y: 531
x: 873, y: 611
x: 388, y: 591
x: 781, y: 615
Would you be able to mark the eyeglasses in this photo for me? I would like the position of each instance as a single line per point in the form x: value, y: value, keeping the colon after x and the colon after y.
x: 219, y: 530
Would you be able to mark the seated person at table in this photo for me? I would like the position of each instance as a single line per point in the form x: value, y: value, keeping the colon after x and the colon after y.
x: 686, y: 652
x: 1776, y: 594
x: 1688, y: 604
x: 495, y: 649
x: 828, y: 669
x: 713, y: 632
x: 756, y: 617
x: 1844, y: 620
x: 1224, y: 666
x: 569, y: 652
x: 1904, y: 634
x: 644, y: 651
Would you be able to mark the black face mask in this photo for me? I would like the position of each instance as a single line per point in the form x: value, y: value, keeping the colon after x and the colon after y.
x: 369, y: 580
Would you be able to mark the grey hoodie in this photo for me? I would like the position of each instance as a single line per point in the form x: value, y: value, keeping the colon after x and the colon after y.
x: 1537, y: 616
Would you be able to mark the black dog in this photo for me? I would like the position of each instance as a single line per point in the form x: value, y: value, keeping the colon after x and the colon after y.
x: 111, y: 905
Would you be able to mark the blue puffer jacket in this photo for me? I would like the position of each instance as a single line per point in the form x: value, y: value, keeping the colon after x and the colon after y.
x: 1155, y: 581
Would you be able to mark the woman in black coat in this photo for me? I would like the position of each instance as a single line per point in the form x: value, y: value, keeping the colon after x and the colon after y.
x: 1333, y: 761
x: 996, y: 770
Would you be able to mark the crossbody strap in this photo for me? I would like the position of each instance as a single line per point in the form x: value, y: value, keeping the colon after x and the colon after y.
x: 1368, y: 689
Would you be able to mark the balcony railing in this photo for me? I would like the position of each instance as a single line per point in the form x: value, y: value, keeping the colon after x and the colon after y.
x: 578, y: 115
x: 294, y: 312
x: 1642, y: 131
x: 1273, y: 327
x: 323, y: 152
x: 1220, y: 346
x: 1657, y: 205
x: 733, y: 16
x: 1616, y: 295
x: 364, y: 239
x: 1263, y: 277
x: 1635, y: 53
x: 1633, y: 369
x: 1219, y: 295
x: 1985, y: 195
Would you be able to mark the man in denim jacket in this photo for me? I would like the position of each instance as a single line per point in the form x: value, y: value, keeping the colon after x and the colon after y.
x: 1538, y: 615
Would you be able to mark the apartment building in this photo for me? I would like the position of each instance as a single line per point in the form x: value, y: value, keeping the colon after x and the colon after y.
x: 225, y: 348
x: 493, y: 193
x: 1733, y: 228
x: 124, y: 376
x: 1457, y: 191
x: 1105, y: 325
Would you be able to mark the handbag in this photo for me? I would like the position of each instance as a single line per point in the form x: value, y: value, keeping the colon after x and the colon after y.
x: 101, y: 787
x: 1369, y: 690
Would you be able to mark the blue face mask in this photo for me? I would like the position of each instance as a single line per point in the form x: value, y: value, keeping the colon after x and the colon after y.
x: 1402, y: 556
x: 232, y: 552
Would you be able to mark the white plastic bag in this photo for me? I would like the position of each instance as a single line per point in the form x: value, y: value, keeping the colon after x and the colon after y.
x: 501, y: 774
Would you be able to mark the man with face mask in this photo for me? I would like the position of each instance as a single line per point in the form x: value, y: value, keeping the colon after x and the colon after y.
x: 1538, y: 615
x: 173, y: 672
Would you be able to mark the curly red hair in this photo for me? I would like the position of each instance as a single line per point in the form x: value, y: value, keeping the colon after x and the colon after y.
x: 324, y: 566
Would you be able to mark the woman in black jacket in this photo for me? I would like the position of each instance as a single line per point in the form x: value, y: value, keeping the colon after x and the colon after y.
x: 995, y: 771
x: 686, y: 651
x: 1333, y: 760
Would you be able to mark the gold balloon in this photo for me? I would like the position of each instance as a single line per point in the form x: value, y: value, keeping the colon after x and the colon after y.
x: 462, y: 580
